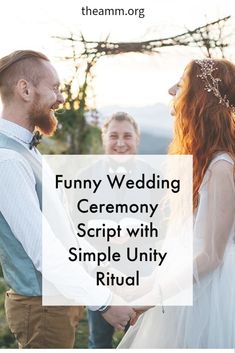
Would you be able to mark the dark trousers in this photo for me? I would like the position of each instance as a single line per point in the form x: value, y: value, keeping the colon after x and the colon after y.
x: 100, y: 331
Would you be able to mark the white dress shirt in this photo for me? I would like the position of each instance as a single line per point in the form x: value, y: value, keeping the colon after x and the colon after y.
x: 19, y: 202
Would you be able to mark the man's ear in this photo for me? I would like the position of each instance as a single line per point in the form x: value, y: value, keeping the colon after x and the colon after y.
x: 24, y: 90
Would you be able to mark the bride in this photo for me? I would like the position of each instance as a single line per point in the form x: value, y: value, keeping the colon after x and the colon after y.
x: 204, y: 109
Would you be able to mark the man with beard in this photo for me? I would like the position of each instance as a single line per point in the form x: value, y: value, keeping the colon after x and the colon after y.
x: 29, y: 89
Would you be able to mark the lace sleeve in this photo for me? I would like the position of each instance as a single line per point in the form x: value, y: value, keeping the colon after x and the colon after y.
x: 215, y: 218
x: 213, y: 232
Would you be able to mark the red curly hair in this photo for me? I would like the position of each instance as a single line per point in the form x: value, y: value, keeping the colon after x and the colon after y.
x: 204, y: 127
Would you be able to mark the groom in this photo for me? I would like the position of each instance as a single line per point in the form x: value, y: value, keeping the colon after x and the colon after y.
x: 29, y: 89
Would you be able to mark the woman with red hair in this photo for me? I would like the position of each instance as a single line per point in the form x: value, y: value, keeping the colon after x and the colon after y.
x: 204, y: 110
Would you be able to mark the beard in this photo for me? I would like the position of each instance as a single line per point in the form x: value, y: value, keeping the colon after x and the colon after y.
x: 44, y: 120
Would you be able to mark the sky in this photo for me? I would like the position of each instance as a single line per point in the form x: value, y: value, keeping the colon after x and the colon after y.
x: 123, y: 80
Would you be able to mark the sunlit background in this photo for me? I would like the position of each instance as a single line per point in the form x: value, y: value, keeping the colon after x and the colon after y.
x: 136, y: 83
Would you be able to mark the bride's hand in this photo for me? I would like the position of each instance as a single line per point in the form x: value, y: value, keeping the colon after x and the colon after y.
x: 139, y: 311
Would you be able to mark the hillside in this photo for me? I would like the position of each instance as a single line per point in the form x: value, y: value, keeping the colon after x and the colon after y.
x: 153, y: 144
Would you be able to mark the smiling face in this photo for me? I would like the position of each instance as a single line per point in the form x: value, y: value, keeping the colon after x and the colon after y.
x: 29, y: 85
x: 120, y: 138
x: 47, y: 98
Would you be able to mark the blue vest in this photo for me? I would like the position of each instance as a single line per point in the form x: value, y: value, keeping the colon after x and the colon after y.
x: 19, y: 271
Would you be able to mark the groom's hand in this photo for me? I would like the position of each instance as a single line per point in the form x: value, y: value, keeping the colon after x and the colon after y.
x: 119, y: 316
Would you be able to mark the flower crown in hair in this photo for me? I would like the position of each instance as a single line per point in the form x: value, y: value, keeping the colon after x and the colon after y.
x: 211, y: 83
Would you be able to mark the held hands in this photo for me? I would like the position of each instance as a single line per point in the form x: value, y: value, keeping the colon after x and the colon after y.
x: 139, y: 310
x: 119, y: 316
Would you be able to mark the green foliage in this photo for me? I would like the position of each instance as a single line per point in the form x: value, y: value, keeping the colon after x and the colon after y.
x: 61, y: 144
x: 76, y: 135
x: 7, y: 339
x: 74, y: 129
x: 92, y: 140
x: 81, y: 340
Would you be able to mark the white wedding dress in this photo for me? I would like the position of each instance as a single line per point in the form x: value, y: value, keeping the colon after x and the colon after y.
x: 210, y: 322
